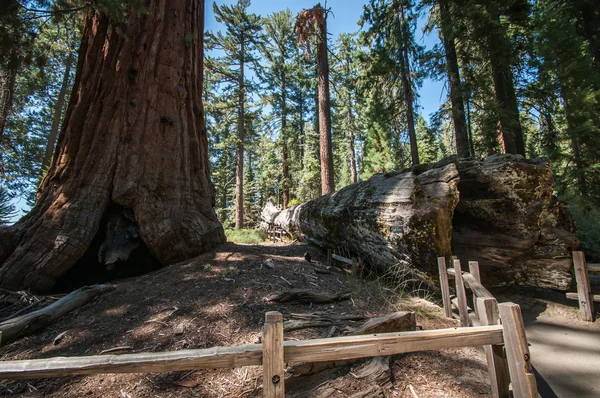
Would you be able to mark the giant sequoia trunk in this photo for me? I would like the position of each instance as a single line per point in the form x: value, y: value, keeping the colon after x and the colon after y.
x: 133, y: 140
x: 506, y: 218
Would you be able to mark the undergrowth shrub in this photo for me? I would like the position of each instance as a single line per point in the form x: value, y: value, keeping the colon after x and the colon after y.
x: 587, y: 220
x: 246, y: 236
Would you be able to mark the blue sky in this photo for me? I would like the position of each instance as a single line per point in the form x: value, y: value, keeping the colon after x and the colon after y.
x: 346, y: 14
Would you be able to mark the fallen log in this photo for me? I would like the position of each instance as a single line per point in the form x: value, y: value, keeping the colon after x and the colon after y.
x: 399, y: 222
x: 509, y: 220
x: 396, y: 322
x: 393, y: 220
x: 317, y: 320
x: 305, y: 296
x: 26, y: 324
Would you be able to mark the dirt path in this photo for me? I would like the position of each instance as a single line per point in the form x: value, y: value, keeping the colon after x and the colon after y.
x: 565, y: 350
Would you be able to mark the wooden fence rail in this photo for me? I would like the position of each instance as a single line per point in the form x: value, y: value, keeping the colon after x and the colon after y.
x: 584, y: 294
x: 514, y: 367
x: 508, y: 364
x: 274, y: 353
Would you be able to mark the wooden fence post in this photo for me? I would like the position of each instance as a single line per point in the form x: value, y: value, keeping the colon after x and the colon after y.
x: 586, y: 305
x: 272, y: 361
x: 329, y: 258
x: 474, y: 270
x: 445, y: 287
x: 354, y: 266
x: 461, y: 294
x: 517, y: 352
x: 487, y: 308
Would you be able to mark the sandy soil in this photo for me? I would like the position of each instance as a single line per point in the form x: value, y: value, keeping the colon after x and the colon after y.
x: 219, y: 299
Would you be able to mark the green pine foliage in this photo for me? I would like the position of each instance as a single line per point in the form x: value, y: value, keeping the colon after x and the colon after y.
x: 525, y: 69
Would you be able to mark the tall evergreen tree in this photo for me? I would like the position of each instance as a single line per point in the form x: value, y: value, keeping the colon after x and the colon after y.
x: 313, y: 24
x: 278, y: 51
x: 239, y: 45
x: 391, y: 32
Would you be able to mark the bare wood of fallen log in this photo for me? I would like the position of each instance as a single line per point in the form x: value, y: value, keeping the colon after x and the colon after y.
x: 396, y: 322
x: 324, y: 315
x: 325, y: 268
x: 305, y: 296
x: 26, y: 324
x: 317, y: 320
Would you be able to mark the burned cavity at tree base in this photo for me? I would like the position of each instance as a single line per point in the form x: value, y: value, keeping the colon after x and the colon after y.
x: 117, y: 251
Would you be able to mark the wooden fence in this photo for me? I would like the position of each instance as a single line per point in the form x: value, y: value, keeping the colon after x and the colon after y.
x: 508, y: 364
x: 584, y: 294
x: 505, y: 346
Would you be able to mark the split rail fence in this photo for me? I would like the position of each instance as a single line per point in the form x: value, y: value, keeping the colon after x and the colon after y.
x: 584, y: 294
x: 508, y: 363
x: 509, y: 337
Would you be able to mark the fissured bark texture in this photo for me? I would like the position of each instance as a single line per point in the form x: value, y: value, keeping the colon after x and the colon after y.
x: 500, y: 211
x: 398, y: 222
x: 509, y: 220
x: 134, y: 136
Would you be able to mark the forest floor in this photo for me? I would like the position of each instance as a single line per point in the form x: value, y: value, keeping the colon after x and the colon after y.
x: 219, y: 299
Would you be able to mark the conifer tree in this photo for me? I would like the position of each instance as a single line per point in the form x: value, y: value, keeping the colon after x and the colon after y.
x: 313, y: 24
x: 239, y: 45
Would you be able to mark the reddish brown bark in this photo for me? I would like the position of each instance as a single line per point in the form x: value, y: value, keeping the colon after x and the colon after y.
x: 134, y: 137
x: 326, y: 152
x: 500, y: 62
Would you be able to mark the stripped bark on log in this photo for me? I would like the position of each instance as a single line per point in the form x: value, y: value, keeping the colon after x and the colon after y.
x: 26, y: 324
x: 305, y: 296
x: 398, y: 219
x: 317, y: 320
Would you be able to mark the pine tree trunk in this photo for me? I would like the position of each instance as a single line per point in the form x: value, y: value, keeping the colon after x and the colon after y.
x: 500, y: 61
x: 239, y: 170
x: 571, y: 123
x: 284, y: 148
x: 326, y: 152
x: 7, y: 85
x: 134, y: 137
x: 352, y: 153
x: 58, y: 111
x: 408, y: 96
x: 458, y: 107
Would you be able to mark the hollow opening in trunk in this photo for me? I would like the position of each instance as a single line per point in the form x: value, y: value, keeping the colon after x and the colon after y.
x: 116, y: 252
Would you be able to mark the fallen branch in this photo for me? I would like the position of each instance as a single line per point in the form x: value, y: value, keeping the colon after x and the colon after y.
x: 114, y: 349
x: 397, y: 322
x: 26, y: 324
x: 317, y: 320
x: 305, y: 296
